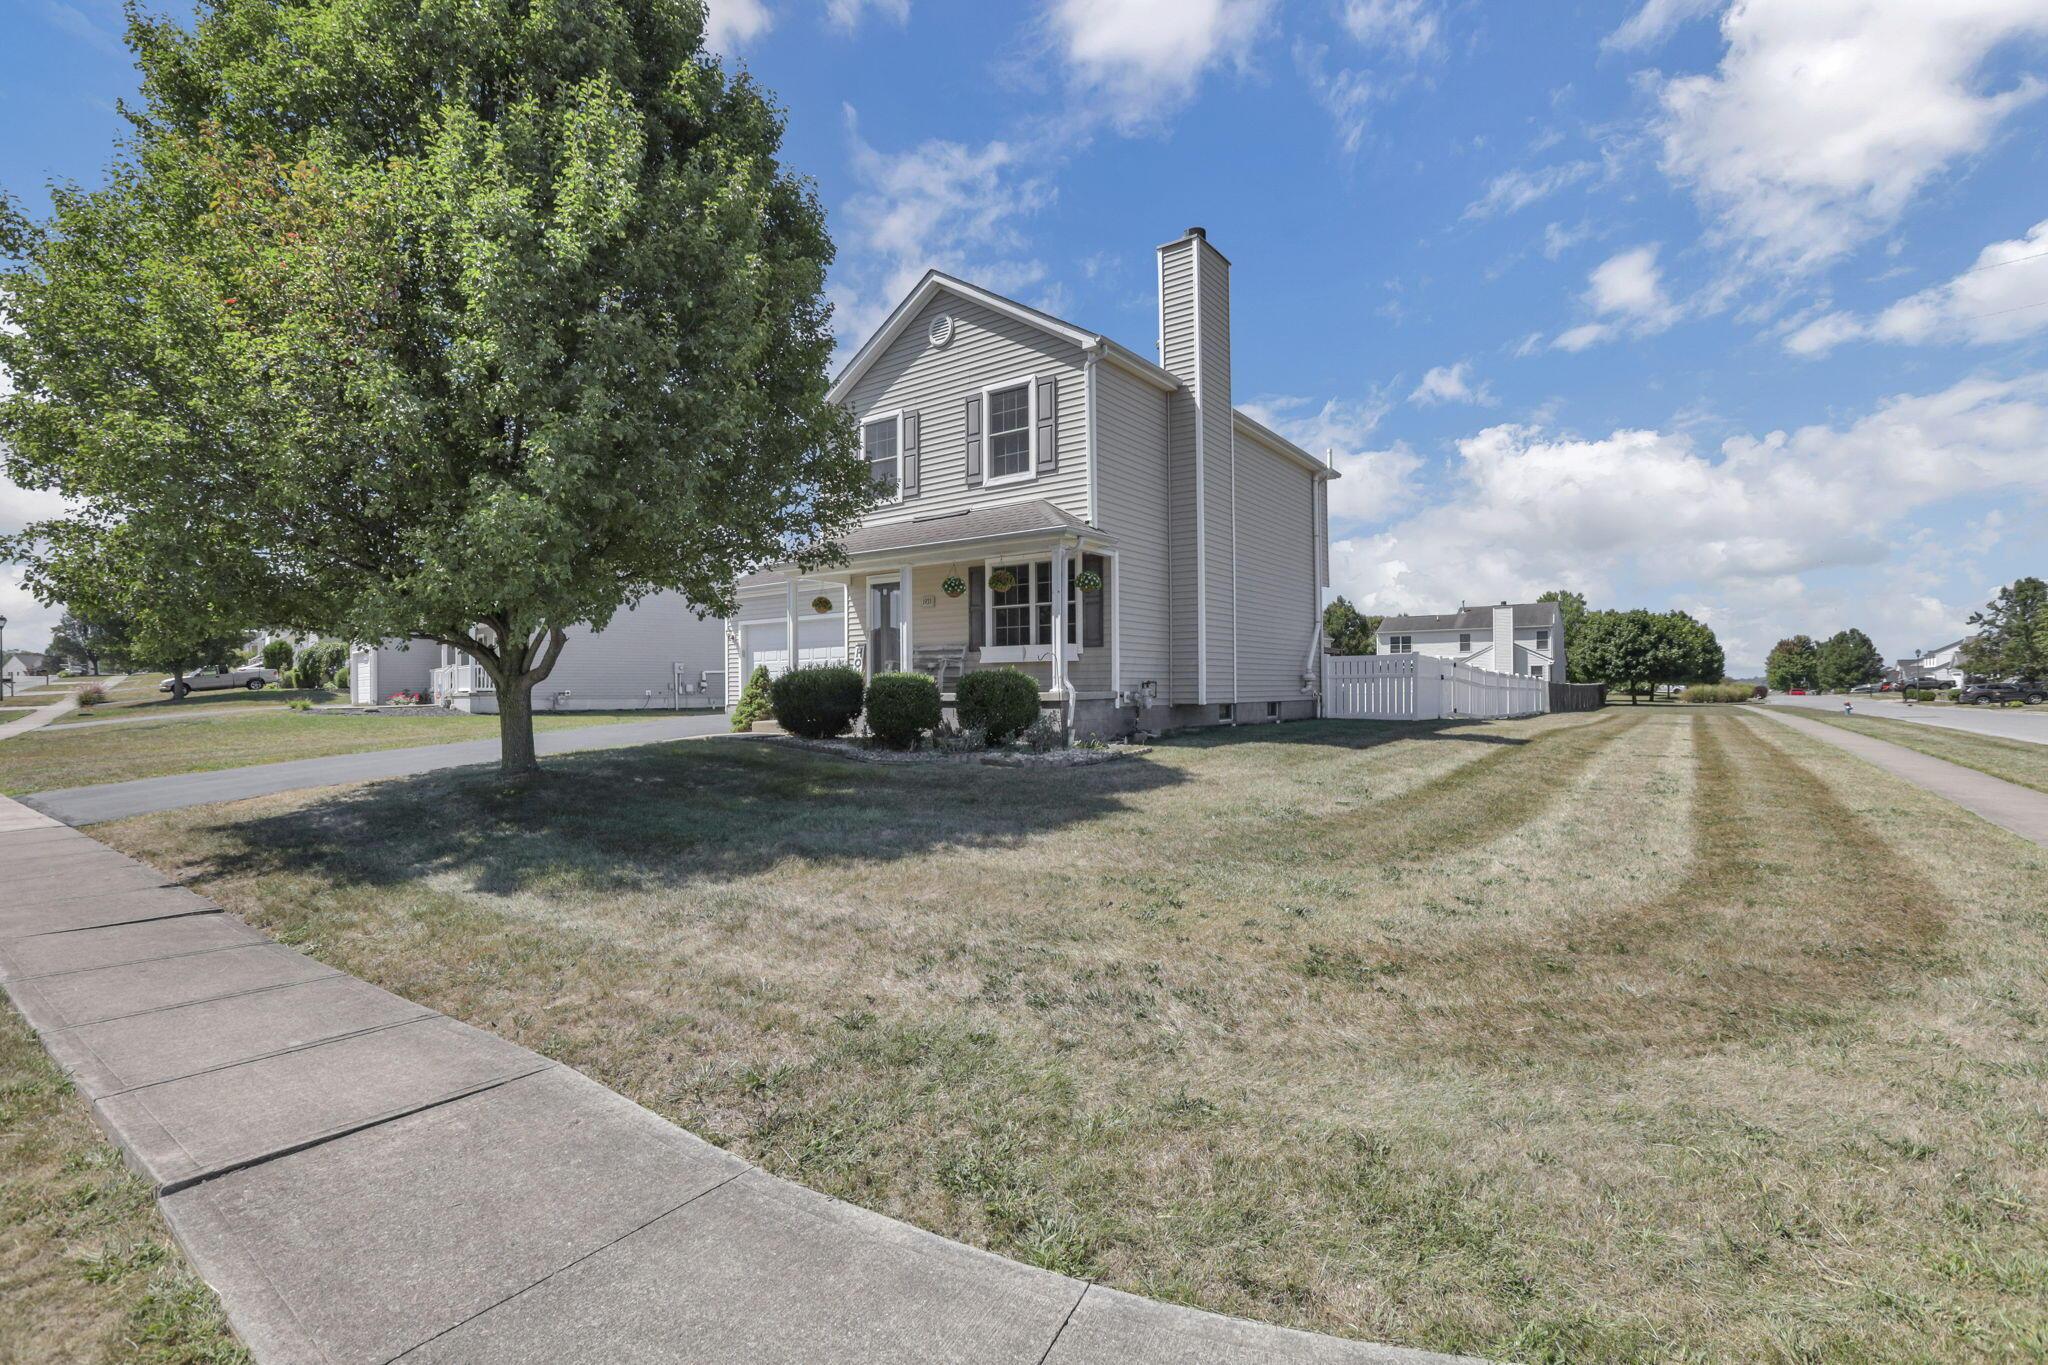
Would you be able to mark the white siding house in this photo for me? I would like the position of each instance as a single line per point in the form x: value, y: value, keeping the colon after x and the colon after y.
x: 1054, y: 502
x: 1523, y: 637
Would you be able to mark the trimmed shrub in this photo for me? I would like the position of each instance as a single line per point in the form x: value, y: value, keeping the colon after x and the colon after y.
x: 817, y: 703
x: 319, y: 662
x: 278, y: 655
x: 1000, y: 702
x: 1718, y: 692
x: 754, y: 701
x: 902, y: 707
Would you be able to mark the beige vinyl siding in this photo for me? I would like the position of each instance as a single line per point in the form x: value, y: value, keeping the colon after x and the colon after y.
x: 1220, y: 436
x: 1276, y: 572
x: 635, y: 655
x: 935, y: 381
x: 1177, y: 330
x: 1130, y: 426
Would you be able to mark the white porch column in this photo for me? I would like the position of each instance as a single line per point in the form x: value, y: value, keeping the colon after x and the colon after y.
x: 789, y: 627
x: 906, y: 605
x: 1059, y: 617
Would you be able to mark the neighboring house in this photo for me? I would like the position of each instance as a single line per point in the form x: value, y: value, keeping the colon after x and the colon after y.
x: 23, y: 665
x: 659, y: 655
x: 1523, y: 637
x: 1944, y: 663
x: 1020, y: 456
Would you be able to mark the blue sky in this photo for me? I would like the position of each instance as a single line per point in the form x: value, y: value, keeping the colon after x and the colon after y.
x: 1727, y: 307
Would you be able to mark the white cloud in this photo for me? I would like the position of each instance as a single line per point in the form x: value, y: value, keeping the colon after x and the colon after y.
x: 1142, y: 59
x: 1826, y: 117
x: 731, y: 24
x: 1513, y: 191
x: 1451, y: 384
x: 1647, y: 514
x: 943, y: 205
x: 1345, y: 95
x: 1558, y: 239
x: 1409, y: 27
x: 2002, y: 297
x: 846, y: 14
x: 29, y: 622
x: 1377, y: 482
x: 1655, y: 22
x: 1627, y: 292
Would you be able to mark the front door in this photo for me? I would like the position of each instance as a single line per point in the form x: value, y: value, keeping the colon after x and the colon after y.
x: 885, y: 636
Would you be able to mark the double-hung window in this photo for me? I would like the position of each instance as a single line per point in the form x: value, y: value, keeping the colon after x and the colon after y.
x: 1400, y: 644
x: 1465, y: 643
x: 1014, y: 613
x: 880, y: 444
x: 1009, y: 432
x: 1543, y: 639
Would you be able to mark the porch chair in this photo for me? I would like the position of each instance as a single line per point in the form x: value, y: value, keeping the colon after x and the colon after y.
x: 938, y: 660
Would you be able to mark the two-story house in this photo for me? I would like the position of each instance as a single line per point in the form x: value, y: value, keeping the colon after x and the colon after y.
x: 1521, y: 637
x: 1053, y: 501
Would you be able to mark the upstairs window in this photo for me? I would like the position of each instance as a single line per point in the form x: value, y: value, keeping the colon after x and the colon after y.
x: 878, y: 442
x: 1009, y: 433
x: 1543, y: 639
x: 1465, y: 643
x: 1400, y: 644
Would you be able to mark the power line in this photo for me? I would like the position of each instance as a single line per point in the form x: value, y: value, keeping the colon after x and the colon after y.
x: 1993, y: 265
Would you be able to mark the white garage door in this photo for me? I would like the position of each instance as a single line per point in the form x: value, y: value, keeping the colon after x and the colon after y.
x: 823, y: 641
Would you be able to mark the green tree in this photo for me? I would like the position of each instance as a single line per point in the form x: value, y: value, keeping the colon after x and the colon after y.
x: 1346, y: 630
x: 1792, y: 662
x: 755, y: 702
x: 2012, y: 633
x: 465, y: 321
x: 278, y: 655
x: 1571, y: 614
x: 83, y: 643
x: 1847, y: 659
x: 1640, y: 650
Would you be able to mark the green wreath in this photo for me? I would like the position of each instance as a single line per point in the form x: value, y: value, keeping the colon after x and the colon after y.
x: 953, y: 586
x: 1002, y: 580
x: 1088, y: 581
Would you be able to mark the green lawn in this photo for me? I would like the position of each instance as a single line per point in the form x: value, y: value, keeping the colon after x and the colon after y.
x: 1654, y: 1034
x: 59, y: 756
x: 133, y: 699
x: 2014, y: 760
x: 88, y: 1272
x: 8, y: 713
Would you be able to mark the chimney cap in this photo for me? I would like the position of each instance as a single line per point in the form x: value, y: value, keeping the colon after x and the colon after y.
x: 1201, y: 232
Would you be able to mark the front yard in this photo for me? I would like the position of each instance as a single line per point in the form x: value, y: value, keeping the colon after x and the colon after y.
x: 1663, y: 1032
x: 203, y: 740
x: 2011, y: 760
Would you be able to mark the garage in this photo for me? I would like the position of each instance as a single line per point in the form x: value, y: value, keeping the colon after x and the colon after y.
x: 821, y: 640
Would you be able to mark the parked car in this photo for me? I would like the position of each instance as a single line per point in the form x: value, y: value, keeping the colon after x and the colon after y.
x: 218, y: 679
x: 1868, y: 687
x: 1795, y: 691
x: 1929, y: 684
x: 1985, y: 693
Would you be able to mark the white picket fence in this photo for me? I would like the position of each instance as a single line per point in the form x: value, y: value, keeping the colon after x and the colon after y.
x: 1419, y: 687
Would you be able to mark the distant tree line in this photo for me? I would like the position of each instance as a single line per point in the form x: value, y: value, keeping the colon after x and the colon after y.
x: 1844, y: 660
x: 2012, y: 633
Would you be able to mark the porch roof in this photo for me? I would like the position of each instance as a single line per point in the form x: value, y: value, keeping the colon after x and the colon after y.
x: 1005, y: 522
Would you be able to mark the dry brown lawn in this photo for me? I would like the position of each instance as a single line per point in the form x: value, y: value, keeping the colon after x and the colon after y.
x: 1653, y: 1033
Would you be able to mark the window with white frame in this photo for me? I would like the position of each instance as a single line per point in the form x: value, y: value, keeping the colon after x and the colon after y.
x: 1465, y: 643
x: 1543, y: 639
x: 1009, y: 432
x: 1020, y: 616
x: 1400, y: 644
x: 1535, y: 670
x: 878, y: 441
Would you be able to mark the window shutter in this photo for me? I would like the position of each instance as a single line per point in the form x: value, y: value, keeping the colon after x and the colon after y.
x: 977, y: 618
x: 910, y: 426
x: 974, y: 441
x: 1048, y: 424
x: 1091, y: 602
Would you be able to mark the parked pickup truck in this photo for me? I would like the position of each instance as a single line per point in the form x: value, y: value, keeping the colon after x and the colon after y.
x: 215, y: 679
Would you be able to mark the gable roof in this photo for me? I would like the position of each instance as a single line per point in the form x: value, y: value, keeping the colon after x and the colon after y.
x: 1528, y: 615
x: 936, y: 282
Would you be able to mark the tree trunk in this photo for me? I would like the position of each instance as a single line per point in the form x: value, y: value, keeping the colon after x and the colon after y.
x: 178, y: 683
x: 515, y: 726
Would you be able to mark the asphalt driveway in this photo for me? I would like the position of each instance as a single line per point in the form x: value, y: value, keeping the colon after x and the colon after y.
x: 146, y: 796
x: 2029, y: 725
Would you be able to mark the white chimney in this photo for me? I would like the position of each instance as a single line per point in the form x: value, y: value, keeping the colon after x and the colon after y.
x: 1194, y: 347
x: 1504, y: 640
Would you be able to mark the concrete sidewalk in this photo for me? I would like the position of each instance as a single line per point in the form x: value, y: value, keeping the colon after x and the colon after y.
x: 364, y: 1180
x: 2005, y: 804
x: 63, y: 706
x: 146, y: 796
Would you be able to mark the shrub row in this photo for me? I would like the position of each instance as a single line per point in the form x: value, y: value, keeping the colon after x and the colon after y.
x: 823, y: 703
x: 1719, y: 692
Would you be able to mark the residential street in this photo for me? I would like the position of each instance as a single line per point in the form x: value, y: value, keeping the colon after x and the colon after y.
x: 2030, y: 725
x: 119, y: 800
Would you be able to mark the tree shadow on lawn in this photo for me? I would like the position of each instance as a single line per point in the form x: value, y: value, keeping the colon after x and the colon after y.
x: 1340, y: 734
x: 623, y: 821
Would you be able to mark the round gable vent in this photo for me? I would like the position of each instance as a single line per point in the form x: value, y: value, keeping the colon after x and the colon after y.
x: 941, y: 330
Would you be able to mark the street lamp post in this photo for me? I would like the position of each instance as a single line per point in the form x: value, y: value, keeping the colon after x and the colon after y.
x: 3, y: 654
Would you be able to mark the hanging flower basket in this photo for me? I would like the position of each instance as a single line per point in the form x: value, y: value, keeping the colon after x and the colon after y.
x: 1088, y: 581
x: 821, y: 605
x: 1002, y: 580
x: 953, y: 586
